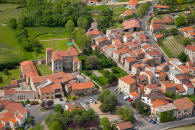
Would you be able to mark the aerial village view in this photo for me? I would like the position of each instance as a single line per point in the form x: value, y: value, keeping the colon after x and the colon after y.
x: 97, y: 64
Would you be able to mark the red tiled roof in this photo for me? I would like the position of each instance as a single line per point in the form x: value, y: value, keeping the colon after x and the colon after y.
x: 159, y: 102
x: 85, y: 85
x: 180, y: 88
x: 142, y: 77
x: 149, y: 73
x: 117, y: 41
x: 29, y: 69
x: 187, y: 29
x: 131, y: 23
x: 95, y: 32
x: 183, y: 104
x: 125, y: 125
x: 128, y: 12
x: 161, y: 6
x: 9, y: 91
x: 134, y: 94
x: 156, y: 27
x: 130, y: 59
x: 50, y: 88
x: 58, y: 55
x: 154, y: 52
x: 128, y: 35
x: 15, y: 82
x: 191, y: 47
x: 108, y: 47
x: 159, y: 35
x: 151, y: 86
x: 128, y: 79
x: 169, y: 85
x: 101, y: 39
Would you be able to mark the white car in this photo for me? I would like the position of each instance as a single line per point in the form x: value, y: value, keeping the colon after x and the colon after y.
x: 90, y: 100
x: 126, y: 97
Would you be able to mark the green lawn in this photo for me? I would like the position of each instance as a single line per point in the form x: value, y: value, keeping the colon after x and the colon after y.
x: 6, y: 79
x: 180, y: 38
x: 44, y: 70
x: 167, y: 51
x: 100, y: 7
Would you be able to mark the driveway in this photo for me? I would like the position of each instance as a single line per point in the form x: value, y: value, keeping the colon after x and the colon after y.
x: 39, y: 116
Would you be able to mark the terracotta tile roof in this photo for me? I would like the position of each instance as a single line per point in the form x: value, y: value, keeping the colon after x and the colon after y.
x: 9, y: 91
x: 154, y: 52
x: 191, y: 47
x: 108, y: 47
x: 147, y: 46
x: 75, y: 60
x: 188, y: 85
x: 150, y: 86
x: 14, y: 82
x: 57, y: 77
x: 117, y: 41
x: 85, y: 85
x: 162, y: 74
x: 187, y: 29
x: 169, y: 84
x: 157, y: 27
x: 161, y: 6
x: 125, y: 125
x: 121, y: 51
x: 134, y: 94
x: 49, y: 49
x: 128, y: 35
x: 159, y: 102
x: 149, y: 73
x: 192, y: 33
x: 183, y: 104
x: 130, y: 59
x: 58, y: 55
x: 95, y: 32
x: 142, y: 77
x: 168, y: 19
x: 131, y: 23
x: 159, y: 35
x: 128, y: 12
x: 128, y: 79
x: 101, y: 39
x: 29, y: 69
x: 180, y: 88
x: 50, y: 88
x: 139, y: 51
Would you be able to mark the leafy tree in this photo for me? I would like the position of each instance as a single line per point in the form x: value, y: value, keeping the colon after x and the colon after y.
x: 126, y: 113
x: 12, y: 23
x: 191, y: 18
x: 82, y: 22
x: 92, y: 62
x: 38, y: 126
x: 1, y: 79
x: 50, y: 102
x: 180, y: 2
x: 29, y: 120
x: 174, y: 31
x: 69, y: 26
x: 104, y: 122
x: 183, y: 57
x: 58, y: 108
x: 186, y: 41
x: 56, y: 126
x: 180, y: 21
x: 108, y: 100
x: 112, y: 78
x: 5, y: 71
x: 143, y: 9
x: 103, y: 94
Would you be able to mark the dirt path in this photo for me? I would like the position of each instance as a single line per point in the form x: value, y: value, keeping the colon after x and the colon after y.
x: 76, y: 46
x: 53, y: 39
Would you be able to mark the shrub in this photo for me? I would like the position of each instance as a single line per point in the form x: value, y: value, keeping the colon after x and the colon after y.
x: 56, y: 126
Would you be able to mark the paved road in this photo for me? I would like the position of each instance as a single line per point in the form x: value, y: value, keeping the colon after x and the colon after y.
x: 164, y: 126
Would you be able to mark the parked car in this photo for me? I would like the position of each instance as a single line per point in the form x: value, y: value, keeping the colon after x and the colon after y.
x: 153, y: 122
x: 126, y: 97
x: 90, y: 100
x: 28, y: 105
x: 60, y: 99
x: 130, y: 100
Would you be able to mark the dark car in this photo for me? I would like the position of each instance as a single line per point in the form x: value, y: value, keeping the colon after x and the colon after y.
x: 61, y: 99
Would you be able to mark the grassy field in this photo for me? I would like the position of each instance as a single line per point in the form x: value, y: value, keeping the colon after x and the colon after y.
x: 6, y: 79
x: 44, y: 70
x: 190, y: 127
x: 172, y: 46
